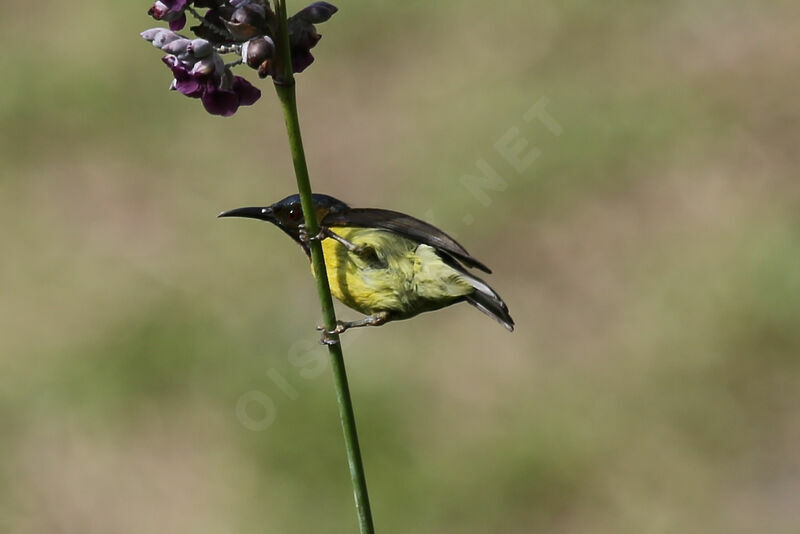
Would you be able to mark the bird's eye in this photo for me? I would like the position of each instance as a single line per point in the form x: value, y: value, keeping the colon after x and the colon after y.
x: 295, y: 214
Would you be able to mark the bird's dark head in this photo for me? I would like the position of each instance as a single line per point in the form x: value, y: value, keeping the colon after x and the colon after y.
x: 287, y: 214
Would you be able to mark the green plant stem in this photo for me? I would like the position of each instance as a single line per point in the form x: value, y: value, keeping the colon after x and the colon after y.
x: 285, y: 87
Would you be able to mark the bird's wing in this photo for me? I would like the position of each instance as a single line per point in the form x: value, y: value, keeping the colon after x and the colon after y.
x: 406, y: 226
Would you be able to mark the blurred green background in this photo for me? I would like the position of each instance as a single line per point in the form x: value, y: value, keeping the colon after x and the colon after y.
x: 159, y: 369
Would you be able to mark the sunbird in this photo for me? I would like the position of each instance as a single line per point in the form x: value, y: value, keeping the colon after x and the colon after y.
x: 384, y: 264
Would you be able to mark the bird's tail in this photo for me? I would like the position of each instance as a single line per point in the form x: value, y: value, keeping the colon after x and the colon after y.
x: 489, y: 302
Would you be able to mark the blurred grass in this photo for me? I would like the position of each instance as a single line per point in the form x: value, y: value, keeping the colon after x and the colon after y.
x: 649, y: 255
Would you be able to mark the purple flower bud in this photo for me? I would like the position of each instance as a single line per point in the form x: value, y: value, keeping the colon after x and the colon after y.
x: 302, y: 38
x: 252, y: 14
x: 170, y: 11
x: 176, y: 5
x: 158, y: 11
x: 305, y: 38
x: 242, y: 32
x: 301, y: 60
x: 247, y: 22
x: 317, y: 12
x: 303, y: 35
x: 208, y: 3
x: 256, y: 51
x: 212, y: 27
x: 265, y: 69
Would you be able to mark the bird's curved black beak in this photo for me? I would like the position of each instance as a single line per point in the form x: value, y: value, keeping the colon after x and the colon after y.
x: 260, y: 213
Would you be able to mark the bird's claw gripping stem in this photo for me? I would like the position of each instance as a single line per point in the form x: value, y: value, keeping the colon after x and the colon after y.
x: 305, y: 238
x: 341, y: 326
x: 327, y: 339
x: 331, y: 337
x: 325, y: 233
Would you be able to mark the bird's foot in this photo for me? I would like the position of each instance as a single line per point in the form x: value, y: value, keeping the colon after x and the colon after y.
x: 327, y: 339
x: 331, y: 337
x: 302, y: 230
x: 352, y: 247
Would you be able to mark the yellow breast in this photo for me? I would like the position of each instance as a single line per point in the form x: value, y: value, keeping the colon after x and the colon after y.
x: 398, y: 275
